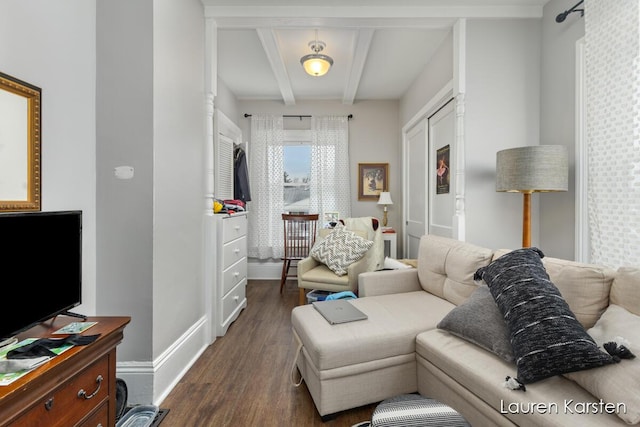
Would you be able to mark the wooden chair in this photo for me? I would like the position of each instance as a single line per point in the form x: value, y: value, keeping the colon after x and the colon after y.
x: 299, y: 236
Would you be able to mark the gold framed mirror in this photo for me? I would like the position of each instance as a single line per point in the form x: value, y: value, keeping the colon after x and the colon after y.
x: 20, y: 104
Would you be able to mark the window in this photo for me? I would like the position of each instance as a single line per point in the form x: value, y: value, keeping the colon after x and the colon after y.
x: 297, y: 172
x: 320, y: 153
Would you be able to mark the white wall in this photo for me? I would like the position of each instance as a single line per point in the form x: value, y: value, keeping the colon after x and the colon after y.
x: 557, y: 122
x: 502, y: 111
x: 437, y: 73
x: 52, y: 45
x: 179, y: 137
x: 124, y: 110
x: 226, y: 102
x: 150, y: 115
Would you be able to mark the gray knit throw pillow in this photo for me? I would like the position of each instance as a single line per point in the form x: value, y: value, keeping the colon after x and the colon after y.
x: 546, y: 337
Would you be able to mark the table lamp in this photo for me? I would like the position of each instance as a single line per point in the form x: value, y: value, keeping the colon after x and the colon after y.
x: 532, y: 169
x: 385, y: 200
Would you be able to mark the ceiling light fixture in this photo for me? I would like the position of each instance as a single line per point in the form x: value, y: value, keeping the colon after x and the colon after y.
x: 316, y: 64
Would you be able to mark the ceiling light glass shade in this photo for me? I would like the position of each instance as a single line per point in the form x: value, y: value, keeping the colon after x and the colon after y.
x: 533, y: 168
x: 316, y: 64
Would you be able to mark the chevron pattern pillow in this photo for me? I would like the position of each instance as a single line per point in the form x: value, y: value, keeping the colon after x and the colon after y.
x: 340, y: 249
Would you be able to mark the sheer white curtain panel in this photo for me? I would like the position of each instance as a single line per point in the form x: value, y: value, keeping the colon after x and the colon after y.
x: 329, y: 184
x: 612, y: 79
x: 267, y: 187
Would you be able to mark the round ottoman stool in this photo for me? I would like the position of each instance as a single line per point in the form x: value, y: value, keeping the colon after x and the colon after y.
x: 415, y: 410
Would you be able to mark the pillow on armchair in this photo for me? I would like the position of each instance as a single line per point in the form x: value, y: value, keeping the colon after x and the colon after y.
x: 340, y: 249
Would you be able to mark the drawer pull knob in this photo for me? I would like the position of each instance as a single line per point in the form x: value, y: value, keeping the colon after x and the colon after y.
x: 236, y: 251
x: 83, y: 394
x: 236, y: 298
x: 237, y: 227
x: 48, y: 404
x: 237, y: 273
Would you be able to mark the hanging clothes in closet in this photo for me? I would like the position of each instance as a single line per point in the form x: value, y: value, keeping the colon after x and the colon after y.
x: 241, y: 189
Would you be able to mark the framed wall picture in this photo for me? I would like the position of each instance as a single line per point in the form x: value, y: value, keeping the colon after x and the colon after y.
x: 443, y: 170
x: 373, y: 178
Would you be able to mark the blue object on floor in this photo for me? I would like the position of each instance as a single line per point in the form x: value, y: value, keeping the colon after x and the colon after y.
x: 341, y: 295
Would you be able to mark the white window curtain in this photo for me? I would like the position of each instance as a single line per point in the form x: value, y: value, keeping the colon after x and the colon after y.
x: 329, y: 188
x: 329, y: 184
x: 612, y: 79
x: 267, y: 187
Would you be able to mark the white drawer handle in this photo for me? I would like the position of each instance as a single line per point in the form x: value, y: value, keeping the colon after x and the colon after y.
x: 237, y: 273
x: 236, y: 298
x: 83, y: 394
x: 237, y: 227
x: 237, y: 251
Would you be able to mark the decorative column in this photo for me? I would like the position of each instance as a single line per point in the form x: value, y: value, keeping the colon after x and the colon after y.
x: 209, y: 220
x: 459, y: 88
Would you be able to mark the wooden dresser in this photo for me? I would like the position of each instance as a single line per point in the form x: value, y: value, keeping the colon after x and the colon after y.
x: 232, y: 269
x: 76, y: 388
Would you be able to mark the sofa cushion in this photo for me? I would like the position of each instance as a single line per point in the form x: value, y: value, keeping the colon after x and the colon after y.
x: 616, y: 384
x: 546, y: 337
x: 340, y: 249
x: 625, y: 290
x: 479, y: 320
x: 323, y: 274
x: 446, y: 267
x: 585, y: 287
x: 390, y: 330
x: 482, y: 373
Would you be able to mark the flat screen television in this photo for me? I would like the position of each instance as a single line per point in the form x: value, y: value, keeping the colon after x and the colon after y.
x: 40, y: 267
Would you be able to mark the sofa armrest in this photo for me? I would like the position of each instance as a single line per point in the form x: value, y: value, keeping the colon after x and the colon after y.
x: 388, y: 282
x: 306, y: 264
x: 354, y: 270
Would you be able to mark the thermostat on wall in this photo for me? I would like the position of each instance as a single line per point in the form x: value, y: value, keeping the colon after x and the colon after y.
x: 124, y: 172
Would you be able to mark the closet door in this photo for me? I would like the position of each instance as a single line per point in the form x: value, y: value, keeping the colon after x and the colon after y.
x: 441, y: 173
x: 416, y: 185
x: 226, y: 133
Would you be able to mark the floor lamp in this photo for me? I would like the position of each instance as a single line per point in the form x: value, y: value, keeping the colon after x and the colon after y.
x: 532, y: 169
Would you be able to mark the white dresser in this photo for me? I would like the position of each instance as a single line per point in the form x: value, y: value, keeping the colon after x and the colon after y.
x: 231, y: 275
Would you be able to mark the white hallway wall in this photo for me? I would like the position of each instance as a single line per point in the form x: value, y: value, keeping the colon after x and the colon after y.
x: 150, y: 85
x: 52, y: 46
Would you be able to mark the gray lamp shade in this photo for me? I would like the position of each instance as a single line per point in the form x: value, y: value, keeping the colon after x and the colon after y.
x: 533, y: 168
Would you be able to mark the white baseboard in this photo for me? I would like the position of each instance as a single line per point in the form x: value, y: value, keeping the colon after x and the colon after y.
x: 150, y: 383
x: 264, y: 270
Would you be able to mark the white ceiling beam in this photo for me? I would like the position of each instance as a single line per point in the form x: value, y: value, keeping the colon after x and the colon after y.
x: 358, y: 60
x: 270, y: 45
x: 442, y: 10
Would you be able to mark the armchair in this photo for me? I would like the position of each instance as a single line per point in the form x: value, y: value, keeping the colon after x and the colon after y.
x: 313, y: 274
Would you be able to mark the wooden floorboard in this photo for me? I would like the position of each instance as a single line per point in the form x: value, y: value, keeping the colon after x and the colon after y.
x: 243, y: 379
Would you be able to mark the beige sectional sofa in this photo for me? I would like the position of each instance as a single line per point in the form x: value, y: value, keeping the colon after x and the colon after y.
x: 400, y: 349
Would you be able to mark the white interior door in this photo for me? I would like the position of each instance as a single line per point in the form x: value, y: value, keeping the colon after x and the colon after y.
x: 441, y: 174
x: 416, y: 188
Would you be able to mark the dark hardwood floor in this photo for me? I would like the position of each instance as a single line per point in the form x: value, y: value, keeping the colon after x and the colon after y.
x: 243, y: 378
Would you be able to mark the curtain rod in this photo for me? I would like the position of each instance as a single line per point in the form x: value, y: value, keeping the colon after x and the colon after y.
x: 562, y: 16
x: 350, y: 116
